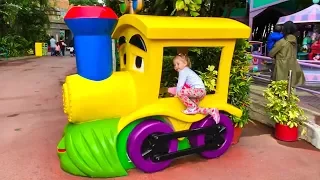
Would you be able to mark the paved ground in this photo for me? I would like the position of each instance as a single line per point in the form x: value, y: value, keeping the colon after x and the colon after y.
x: 31, y: 124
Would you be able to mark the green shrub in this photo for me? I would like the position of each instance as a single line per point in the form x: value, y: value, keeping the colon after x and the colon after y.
x: 282, y: 108
x: 209, y: 78
x: 240, y: 82
x: 169, y: 75
x: 15, y: 45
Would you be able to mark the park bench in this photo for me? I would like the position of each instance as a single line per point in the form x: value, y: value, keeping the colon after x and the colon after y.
x: 3, y: 53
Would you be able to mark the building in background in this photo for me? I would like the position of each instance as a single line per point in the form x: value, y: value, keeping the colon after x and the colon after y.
x: 58, y: 27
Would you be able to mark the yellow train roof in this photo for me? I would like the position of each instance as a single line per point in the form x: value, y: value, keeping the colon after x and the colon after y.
x: 171, y: 27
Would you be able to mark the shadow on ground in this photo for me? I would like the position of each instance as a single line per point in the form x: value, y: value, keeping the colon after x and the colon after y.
x: 300, y: 144
x: 255, y: 128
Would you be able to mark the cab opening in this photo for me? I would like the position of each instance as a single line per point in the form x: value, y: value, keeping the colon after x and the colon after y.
x: 199, y: 63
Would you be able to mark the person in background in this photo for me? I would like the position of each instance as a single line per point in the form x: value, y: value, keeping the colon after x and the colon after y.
x: 307, y: 42
x: 275, y: 36
x: 57, y: 50
x: 315, y: 50
x: 71, y: 45
x: 71, y: 51
x: 285, y: 54
x: 314, y: 37
x: 52, y: 46
x: 62, y: 45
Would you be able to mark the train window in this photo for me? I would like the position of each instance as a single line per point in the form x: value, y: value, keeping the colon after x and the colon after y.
x: 137, y: 41
x: 122, y: 40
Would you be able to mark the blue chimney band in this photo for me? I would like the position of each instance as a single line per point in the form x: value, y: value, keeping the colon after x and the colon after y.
x: 93, y: 46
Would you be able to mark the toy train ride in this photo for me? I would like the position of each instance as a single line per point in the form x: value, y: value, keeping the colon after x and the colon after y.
x: 116, y: 119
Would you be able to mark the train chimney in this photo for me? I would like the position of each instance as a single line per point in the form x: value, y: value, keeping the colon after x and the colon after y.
x: 92, y: 27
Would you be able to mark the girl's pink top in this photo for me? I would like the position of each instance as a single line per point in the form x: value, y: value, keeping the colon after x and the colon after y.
x: 58, y: 48
x: 186, y: 86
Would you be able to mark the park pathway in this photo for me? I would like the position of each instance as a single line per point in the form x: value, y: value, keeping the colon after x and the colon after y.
x: 32, y: 121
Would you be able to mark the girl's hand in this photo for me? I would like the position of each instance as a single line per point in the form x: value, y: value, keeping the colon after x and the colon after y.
x: 172, y: 91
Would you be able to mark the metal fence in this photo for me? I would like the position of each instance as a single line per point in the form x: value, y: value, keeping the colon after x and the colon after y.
x: 308, y: 63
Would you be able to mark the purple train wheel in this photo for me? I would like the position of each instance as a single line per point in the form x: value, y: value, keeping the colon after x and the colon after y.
x: 139, y: 146
x: 220, y: 141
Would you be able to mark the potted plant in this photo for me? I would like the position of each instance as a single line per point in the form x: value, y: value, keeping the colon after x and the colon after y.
x: 284, y: 110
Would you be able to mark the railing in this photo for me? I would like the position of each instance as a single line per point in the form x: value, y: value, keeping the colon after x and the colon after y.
x: 300, y: 88
x: 310, y: 61
x: 301, y: 62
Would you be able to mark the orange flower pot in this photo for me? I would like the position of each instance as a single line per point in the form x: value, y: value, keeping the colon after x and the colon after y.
x: 236, y: 135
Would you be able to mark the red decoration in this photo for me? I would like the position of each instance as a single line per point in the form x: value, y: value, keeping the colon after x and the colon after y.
x: 91, y: 12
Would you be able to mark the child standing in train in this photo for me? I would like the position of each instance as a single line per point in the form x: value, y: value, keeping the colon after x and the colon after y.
x: 190, y: 88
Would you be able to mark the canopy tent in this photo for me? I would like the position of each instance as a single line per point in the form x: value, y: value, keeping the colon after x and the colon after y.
x: 308, y: 15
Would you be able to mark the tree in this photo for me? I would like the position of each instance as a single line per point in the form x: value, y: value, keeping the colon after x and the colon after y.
x: 32, y: 22
x: 84, y: 2
x: 8, y: 13
x: 22, y: 22
x: 209, y: 8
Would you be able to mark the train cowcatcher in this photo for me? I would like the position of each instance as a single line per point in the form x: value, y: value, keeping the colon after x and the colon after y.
x: 116, y: 119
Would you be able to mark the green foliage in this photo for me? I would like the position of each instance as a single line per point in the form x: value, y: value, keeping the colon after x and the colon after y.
x: 84, y: 2
x: 209, y: 78
x: 281, y: 107
x: 22, y: 23
x: 15, y: 45
x: 239, y: 85
x: 169, y: 75
x: 202, y: 57
x: 208, y: 8
x: 191, y: 6
x: 114, y: 5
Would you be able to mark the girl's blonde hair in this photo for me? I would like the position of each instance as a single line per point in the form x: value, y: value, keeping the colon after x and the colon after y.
x: 185, y: 58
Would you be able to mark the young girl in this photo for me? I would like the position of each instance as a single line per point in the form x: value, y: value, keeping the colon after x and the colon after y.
x: 71, y: 51
x: 190, y: 88
x: 57, y: 49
